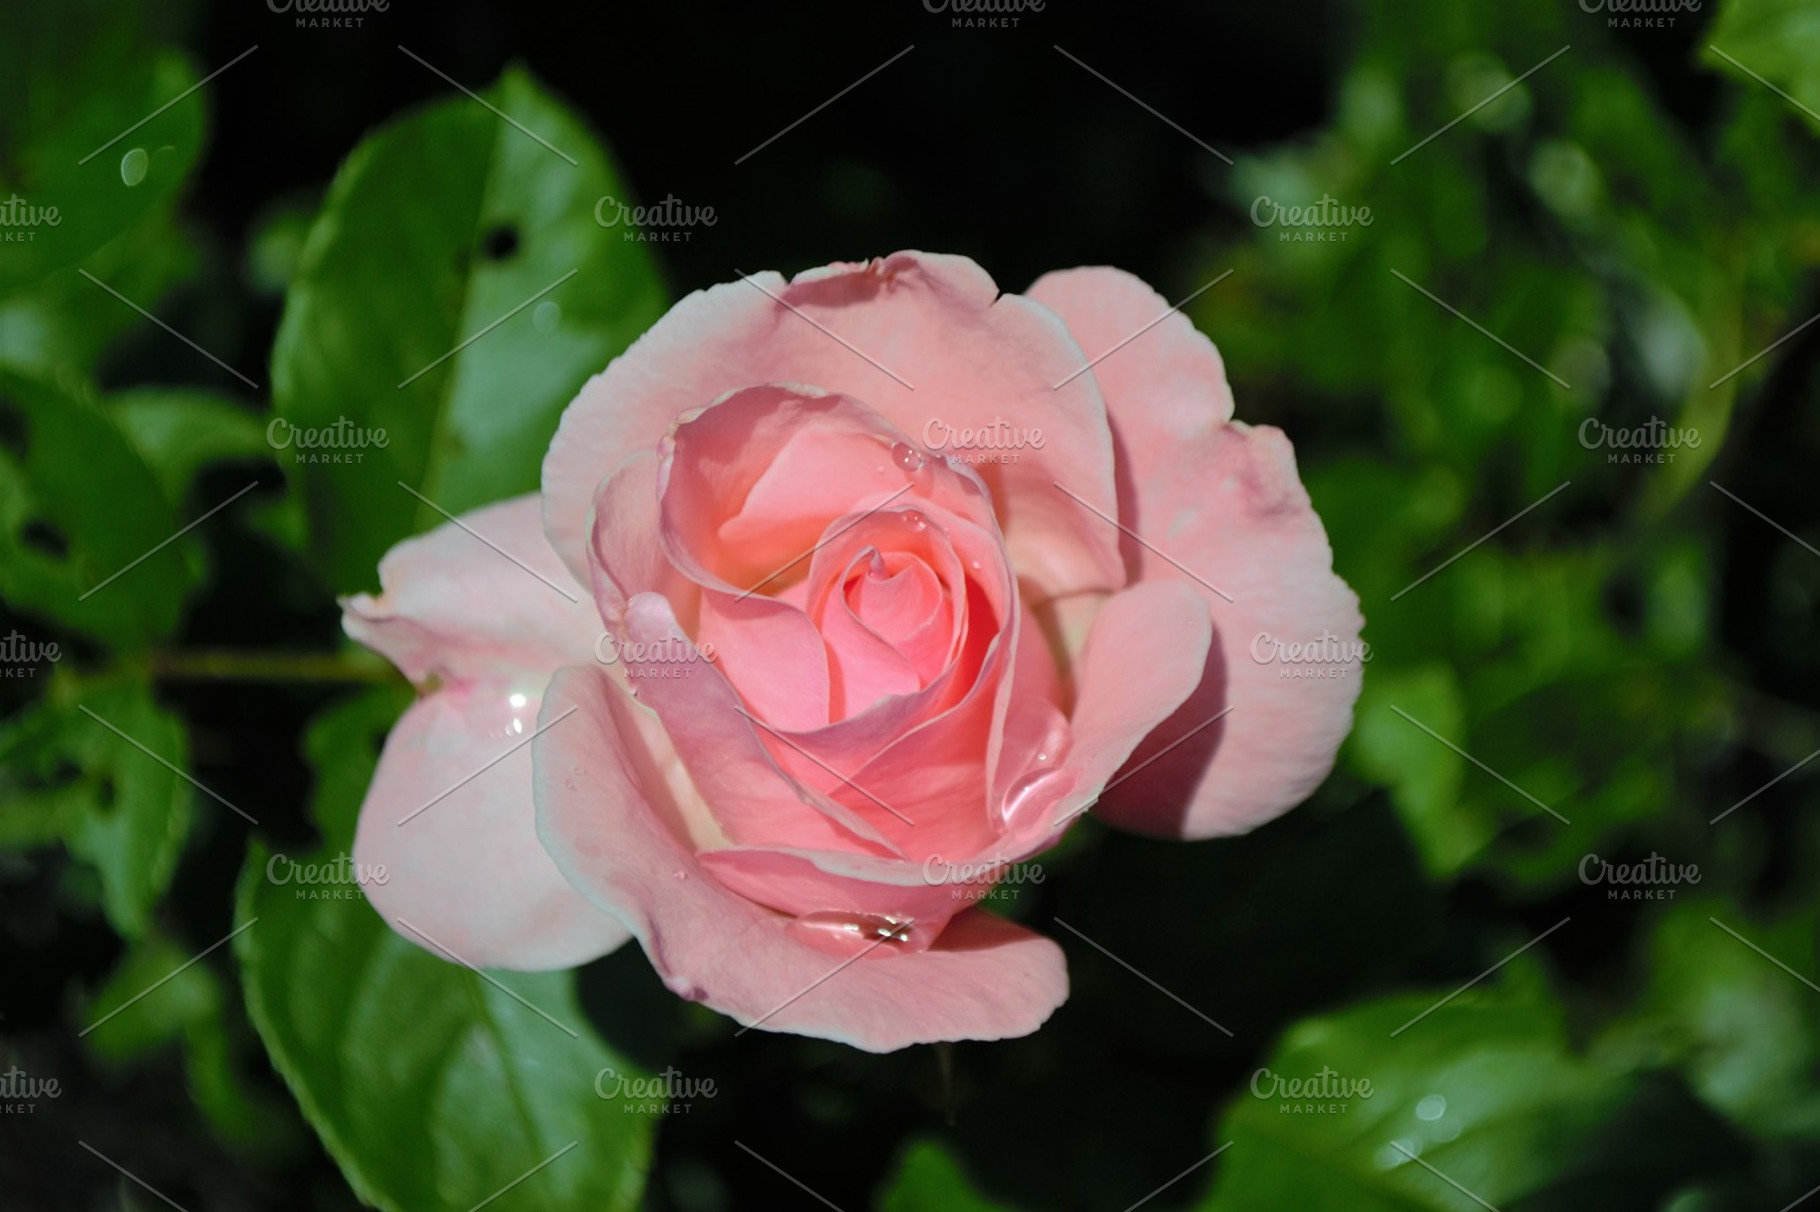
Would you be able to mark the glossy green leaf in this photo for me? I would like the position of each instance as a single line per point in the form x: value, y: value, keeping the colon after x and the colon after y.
x: 455, y: 293
x: 434, y: 1086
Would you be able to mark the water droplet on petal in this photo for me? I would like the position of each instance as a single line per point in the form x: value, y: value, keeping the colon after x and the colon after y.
x: 1033, y: 795
x: 679, y: 874
x: 915, y: 521
x: 907, y: 456
x: 849, y: 934
x: 134, y: 165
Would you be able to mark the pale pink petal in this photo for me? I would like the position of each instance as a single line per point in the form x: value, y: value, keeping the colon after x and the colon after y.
x: 1224, y: 501
x: 465, y: 876
x: 484, y: 633
x: 984, y: 978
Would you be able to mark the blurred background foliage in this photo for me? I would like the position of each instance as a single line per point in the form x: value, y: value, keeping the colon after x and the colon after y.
x: 1635, y: 217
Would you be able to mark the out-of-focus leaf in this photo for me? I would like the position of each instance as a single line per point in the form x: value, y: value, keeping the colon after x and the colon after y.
x: 1397, y: 710
x: 115, y: 806
x: 342, y: 745
x: 928, y: 1179
x: 1778, y: 40
x: 159, y: 1017
x: 77, y: 506
x: 178, y: 433
x: 74, y: 78
x: 451, y: 230
x: 1482, y: 1096
x: 1747, y: 1033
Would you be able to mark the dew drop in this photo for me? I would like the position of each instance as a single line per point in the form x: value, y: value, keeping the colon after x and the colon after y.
x: 1030, y: 799
x: 679, y: 874
x: 1431, y: 1108
x: 134, y: 165
x: 546, y: 316
x: 851, y: 934
x: 915, y: 520
x: 907, y: 456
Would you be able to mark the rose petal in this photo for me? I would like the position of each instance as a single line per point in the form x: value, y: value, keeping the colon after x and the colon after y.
x: 468, y: 871
x: 984, y: 978
x: 974, y: 357
x: 1224, y: 500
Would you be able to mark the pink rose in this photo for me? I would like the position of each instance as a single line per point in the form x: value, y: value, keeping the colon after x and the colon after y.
x: 856, y: 653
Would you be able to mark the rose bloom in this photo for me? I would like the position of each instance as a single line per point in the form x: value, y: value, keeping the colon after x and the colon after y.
x: 914, y: 661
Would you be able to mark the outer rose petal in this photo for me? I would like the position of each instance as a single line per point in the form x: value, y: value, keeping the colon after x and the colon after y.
x: 1224, y: 500
x: 975, y: 356
x: 985, y: 978
x: 468, y: 871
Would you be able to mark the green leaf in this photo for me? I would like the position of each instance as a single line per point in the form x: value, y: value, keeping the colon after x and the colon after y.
x: 440, y: 226
x: 1484, y: 1091
x: 342, y: 745
x: 178, y: 433
x: 115, y: 806
x: 75, y: 78
x: 1778, y: 40
x: 433, y: 1086
x: 928, y: 1179
x: 78, y: 506
x: 1390, y: 746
